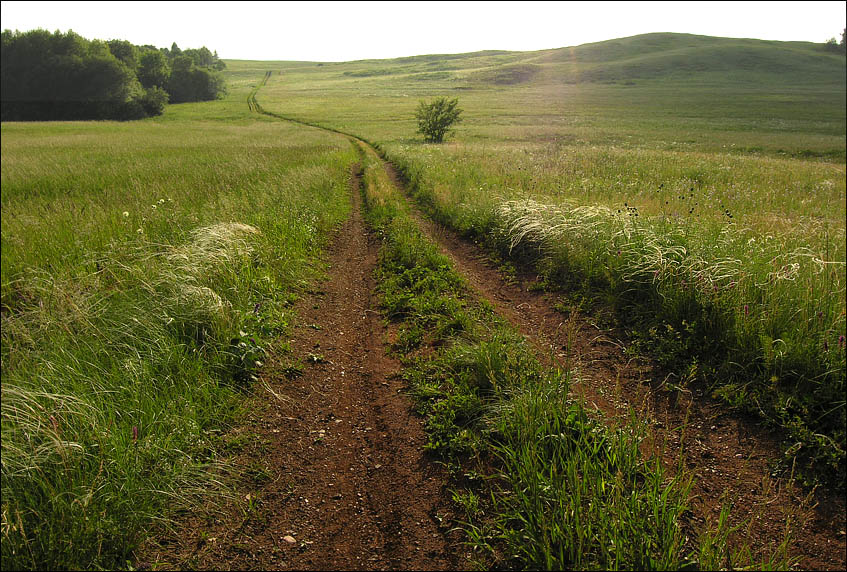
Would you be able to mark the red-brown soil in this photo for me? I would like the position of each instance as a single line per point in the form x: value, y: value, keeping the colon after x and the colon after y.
x: 339, y: 449
x: 729, y: 454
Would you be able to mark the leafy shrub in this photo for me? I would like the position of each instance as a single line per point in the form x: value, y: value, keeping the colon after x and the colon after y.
x: 436, y: 118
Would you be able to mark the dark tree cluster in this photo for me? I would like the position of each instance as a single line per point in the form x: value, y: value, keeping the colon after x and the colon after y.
x: 54, y: 76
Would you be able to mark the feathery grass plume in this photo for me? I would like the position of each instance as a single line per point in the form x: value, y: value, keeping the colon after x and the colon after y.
x: 738, y: 293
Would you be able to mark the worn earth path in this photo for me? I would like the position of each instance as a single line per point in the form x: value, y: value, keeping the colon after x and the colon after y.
x: 335, y: 472
x: 340, y: 479
x: 729, y: 454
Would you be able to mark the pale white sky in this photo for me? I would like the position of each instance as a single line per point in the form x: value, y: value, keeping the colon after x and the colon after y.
x: 343, y: 31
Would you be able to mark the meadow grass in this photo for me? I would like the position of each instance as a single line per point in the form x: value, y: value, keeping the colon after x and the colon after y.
x: 146, y: 267
x: 696, y: 185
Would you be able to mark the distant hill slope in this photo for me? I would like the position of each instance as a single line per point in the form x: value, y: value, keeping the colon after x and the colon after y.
x: 646, y: 57
x: 678, y: 56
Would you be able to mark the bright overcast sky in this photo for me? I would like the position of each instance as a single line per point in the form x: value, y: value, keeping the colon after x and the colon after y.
x: 343, y: 31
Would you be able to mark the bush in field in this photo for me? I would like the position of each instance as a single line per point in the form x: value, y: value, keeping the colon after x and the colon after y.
x: 436, y: 118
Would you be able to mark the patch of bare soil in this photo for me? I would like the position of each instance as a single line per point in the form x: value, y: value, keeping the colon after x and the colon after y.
x: 730, y: 455
x: 339, y: 479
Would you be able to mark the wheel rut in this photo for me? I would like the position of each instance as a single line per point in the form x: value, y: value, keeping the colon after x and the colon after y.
x: 366, y: 496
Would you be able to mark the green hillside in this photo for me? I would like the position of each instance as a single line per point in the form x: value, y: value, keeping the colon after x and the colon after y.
x: 659, y: 91
x: 658, y: 56
x: 684, y: 56
x: 728, y: 151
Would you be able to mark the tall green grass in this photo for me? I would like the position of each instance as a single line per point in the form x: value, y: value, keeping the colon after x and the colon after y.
x: 146, y: 266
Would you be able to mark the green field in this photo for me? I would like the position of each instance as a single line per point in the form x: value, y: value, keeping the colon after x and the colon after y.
x: 695, y: 186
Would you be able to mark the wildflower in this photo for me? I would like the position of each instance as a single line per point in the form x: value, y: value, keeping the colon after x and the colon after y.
x: 126, y: 214
x: 154, y: 207
x: 135, y: 433
x: 841, y: 341
x: 259, y: 364
x: 746, y: 310
x: 140, y: 231
x: 161, y: 201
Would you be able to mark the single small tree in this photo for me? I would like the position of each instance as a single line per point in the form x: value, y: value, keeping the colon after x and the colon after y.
x: 436, y: 118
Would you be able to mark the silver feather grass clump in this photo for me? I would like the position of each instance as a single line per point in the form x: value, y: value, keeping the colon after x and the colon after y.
x: 660, y: 248
x: 59, y: 416
x: 211, y: 249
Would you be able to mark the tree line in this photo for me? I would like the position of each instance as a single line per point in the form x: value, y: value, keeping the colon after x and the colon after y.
x: 54, y: 76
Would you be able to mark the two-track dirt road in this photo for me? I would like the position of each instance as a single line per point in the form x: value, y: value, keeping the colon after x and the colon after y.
x: 338, y: 475
x: 347, y: 483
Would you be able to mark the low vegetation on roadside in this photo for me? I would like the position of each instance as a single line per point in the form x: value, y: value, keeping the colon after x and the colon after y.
x: 145, y: 270
x: 748, y: 302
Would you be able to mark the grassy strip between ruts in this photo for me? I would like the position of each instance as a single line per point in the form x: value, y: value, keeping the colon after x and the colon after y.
x: 546, y: 483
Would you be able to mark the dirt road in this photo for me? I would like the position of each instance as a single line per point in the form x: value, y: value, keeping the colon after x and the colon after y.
x: 347, y: 485
x: 339, y: 476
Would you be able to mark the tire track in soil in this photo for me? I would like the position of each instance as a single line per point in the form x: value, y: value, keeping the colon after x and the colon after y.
x: 348, y: 477
x: 726, y: 451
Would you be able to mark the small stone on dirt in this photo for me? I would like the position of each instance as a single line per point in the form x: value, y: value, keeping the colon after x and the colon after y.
x: 289, y: 539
